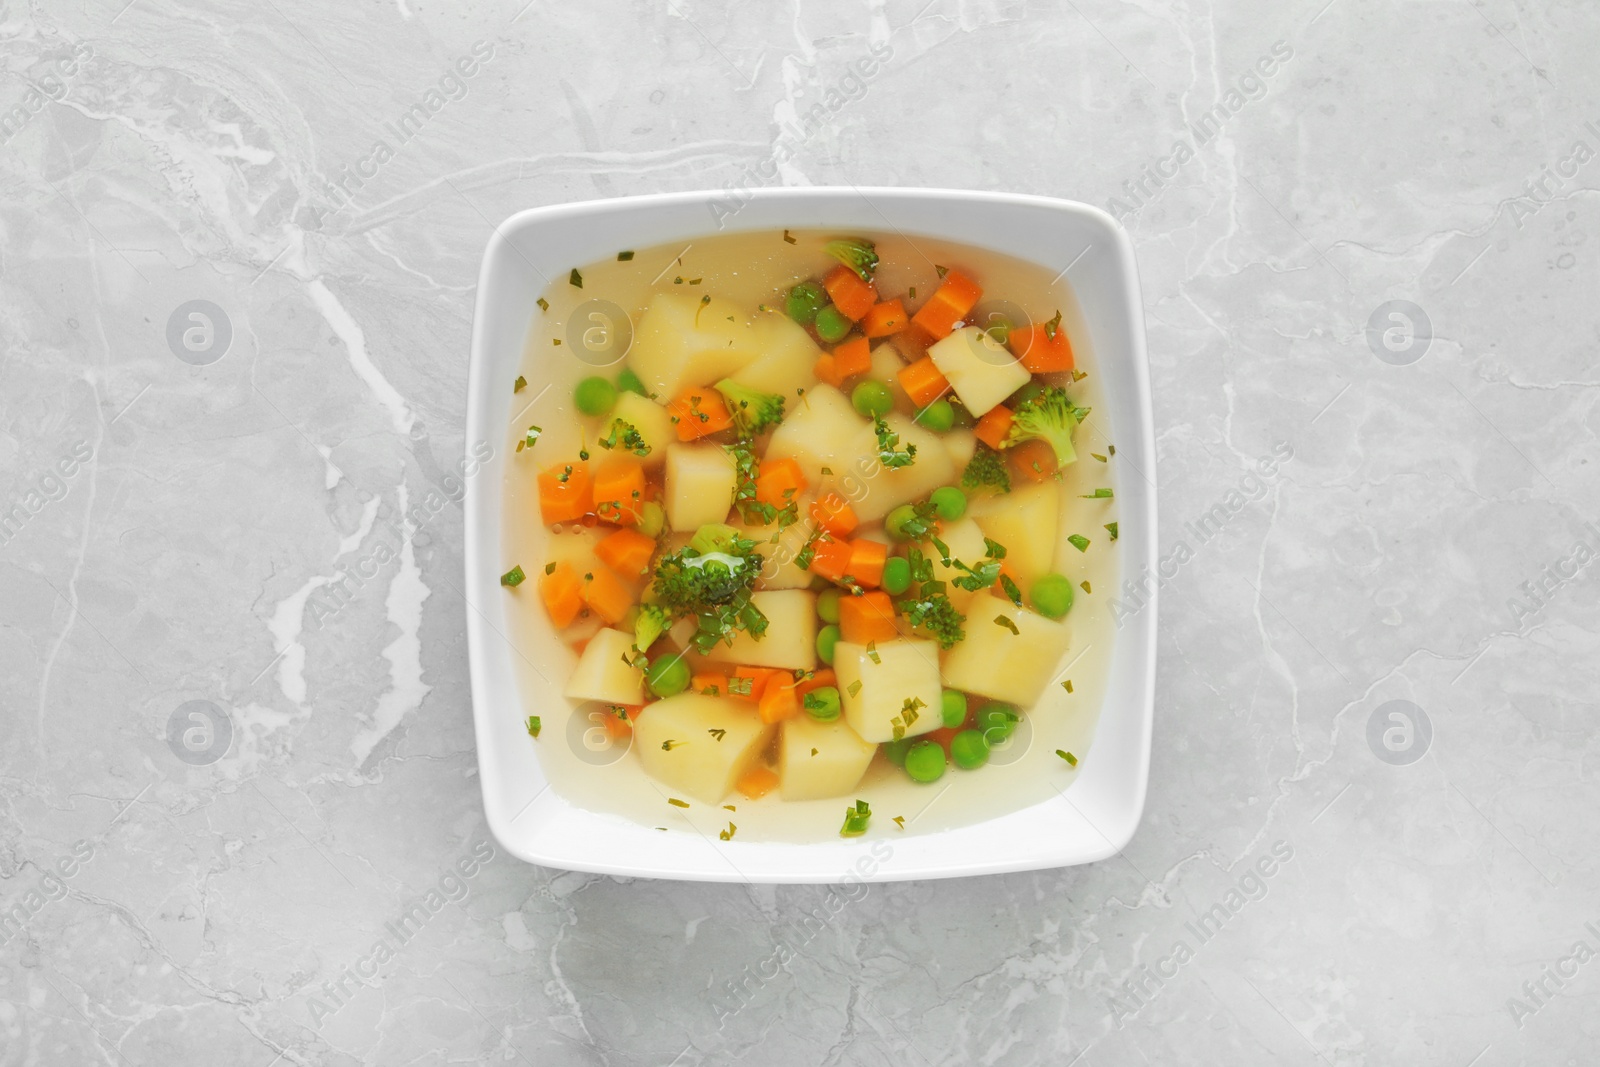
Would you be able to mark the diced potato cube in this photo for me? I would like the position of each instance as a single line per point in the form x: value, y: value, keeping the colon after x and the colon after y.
x: 779, y: 569
x: 961, y: 444
x: 820, y: 430
x: 785, y: 360
x: 680, y: 343
x: 700, y: 481
x: 906, y: 670
x: 965, y: 541
x: 601, y: 673
x: 980, y: 369
x: 652, y: 420
x: 820, y: 759
x: 1027, y: 521
x: 873, y: 489
x: 1001, y: 665
x: 886, y: 367
x: 790, y: 642
x: 696, y: 761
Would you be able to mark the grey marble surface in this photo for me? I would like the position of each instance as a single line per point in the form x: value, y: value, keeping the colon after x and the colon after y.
x: 1347, y: 887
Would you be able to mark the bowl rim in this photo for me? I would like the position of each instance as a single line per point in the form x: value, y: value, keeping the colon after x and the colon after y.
x: 768, y: 862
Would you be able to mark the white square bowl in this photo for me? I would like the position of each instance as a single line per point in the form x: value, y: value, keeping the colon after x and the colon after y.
x: 1092, y: 819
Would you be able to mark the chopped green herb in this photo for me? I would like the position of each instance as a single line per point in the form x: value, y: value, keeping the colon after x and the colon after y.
x: 788, y: 237
x: 900, y: 821
x: 532, y: 436
x: 1097, y: 456
x: 913, y: 292
x: 855, y: 819
x: 669, y: 744
x: 549, y: 568
x: 1002, y: 620
x: 942, y: 271
x: 872, y: 652
x: 1067, y: 685
x: 1111, y: 450
x: 1084, y: 585
x: 675, y: 802
x: 1012, y: 592
x: 1111, y: 528
x: 678, y: 280
x: 727, y: 835
x: 519, y: 385
x: 1098, y: 494
x: 889, y: 454
x: 696, y: 281
x: 544, y: 305
x: 513, y: 576
x: 623, y: 257
x: 1072, y: 761
x: 534, y: 726
x: 1079, y: 375
x: 1079, y: 542
x: 740, y: 687
x: 575, y: 279
x: 1052, y: 326
x: 854, y: 687
x: 729, y: 807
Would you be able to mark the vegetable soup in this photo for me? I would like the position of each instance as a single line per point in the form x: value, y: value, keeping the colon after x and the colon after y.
x: 826, y: 525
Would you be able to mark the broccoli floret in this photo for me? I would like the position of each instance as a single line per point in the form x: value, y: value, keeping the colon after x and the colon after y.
x: 753, y: 410
x: 713, y: 585
x: 1050, y: 417
x: 857, y: 253
x: 652, y: 622
x: 986, y: 468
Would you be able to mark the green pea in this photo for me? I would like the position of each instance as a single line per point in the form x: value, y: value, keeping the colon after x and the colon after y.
x: 803, y: 302
x: 668, y: 675
x: 895, y: 751
x: 594, y: 396
x: 827, y: 637
x: 997, y: 721
x: 828, y: 604
x: 652, y: 519
x: 872, y: 399
x: 832, y: 325
x: 1051, y: 595
x: 628, y: 382
x: 925, y: 762
x: 953, y: 705
x: 896, y: 575
x: 938, y: 416
x: 1025, y: 394
x: 822, y: 704
x: 894, y: 523
x: 950, y: 501
x: 969, y: 750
